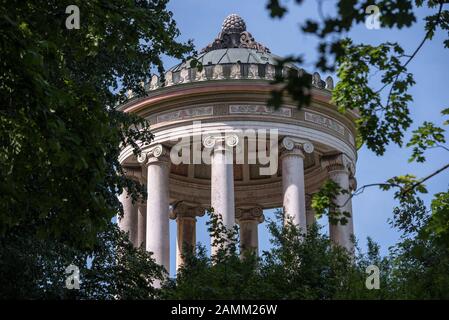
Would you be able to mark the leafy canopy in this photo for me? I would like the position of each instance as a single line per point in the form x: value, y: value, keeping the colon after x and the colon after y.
x: 60, y: 136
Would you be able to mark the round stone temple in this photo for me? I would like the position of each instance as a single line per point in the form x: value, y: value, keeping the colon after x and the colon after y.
x: 251, y: 157
x: 233, y: 23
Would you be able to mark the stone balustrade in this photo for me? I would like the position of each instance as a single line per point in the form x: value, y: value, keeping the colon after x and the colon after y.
x: 230, y: 71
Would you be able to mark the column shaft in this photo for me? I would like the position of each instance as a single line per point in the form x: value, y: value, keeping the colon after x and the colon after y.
x: 142, y: 221
x: 157, y: 235
x: 249, y: 235
x: 310, y: 218
x: 340, y: 168
x: 294, y: 189
x: 342, y: 234
x: 310, y: 214
x: 222, y: 186
x: 249, y: 220
x: 185, y: 214
x: 128, y: 223
x: 186, y: 237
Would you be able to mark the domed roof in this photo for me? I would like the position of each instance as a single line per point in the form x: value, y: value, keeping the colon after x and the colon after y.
x: 233, y: 45
x: 232, y: 55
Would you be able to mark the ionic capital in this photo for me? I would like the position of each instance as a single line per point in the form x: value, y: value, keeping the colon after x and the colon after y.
x: 295, y: 146
x: 220, y: 142
x: 157, y: 153
x: 186, y: 210
x: 249, y: 214
x: 338, y: 162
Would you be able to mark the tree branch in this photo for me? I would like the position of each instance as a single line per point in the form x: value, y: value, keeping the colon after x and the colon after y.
x: 426, y: 178
x: 413, y: 54
x: 404, y: 191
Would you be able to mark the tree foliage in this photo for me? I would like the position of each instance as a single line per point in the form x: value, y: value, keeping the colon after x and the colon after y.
x: 418, y: 261
x: 35, y: 268
x: 296, y: 267
x: 311, y: 267
x: 60, y: 135
x: 385, y: 111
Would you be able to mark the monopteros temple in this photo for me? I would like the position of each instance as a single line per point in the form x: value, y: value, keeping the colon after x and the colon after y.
x: 218, y: 144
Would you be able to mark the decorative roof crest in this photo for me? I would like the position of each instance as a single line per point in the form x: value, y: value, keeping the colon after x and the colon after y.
x: 234, y: 35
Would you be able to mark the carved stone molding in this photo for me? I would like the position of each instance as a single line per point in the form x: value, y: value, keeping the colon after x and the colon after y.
x: 295, y: 146
x: 338, y: 162
x: 245, y: 214
x: 168, y: 78
x: 157, y: 153
x: 184, y: 76
x: 317, y: 82
x: 217, y: 73
x: 259, y: 109
x: 352, y: 183
x: 154, y: 83
x: 183, y: 114
x: 329, y: 83
x: 324, y: 121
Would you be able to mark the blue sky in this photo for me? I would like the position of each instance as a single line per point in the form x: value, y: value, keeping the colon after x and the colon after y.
x: 201, y: 20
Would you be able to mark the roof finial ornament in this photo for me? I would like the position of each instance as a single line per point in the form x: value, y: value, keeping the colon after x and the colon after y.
x: 233, y: 23
x: 234, y: 35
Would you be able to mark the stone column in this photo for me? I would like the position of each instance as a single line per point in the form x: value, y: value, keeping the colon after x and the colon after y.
x: 340, y: 169
x: 157, y: 220
x: 293, y: 184
x: 310, y: 214
x: 222, y: 177
x: 248, y: 220
x: 142, y: 223
x: 128, y: 223
x: 185, y: 215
